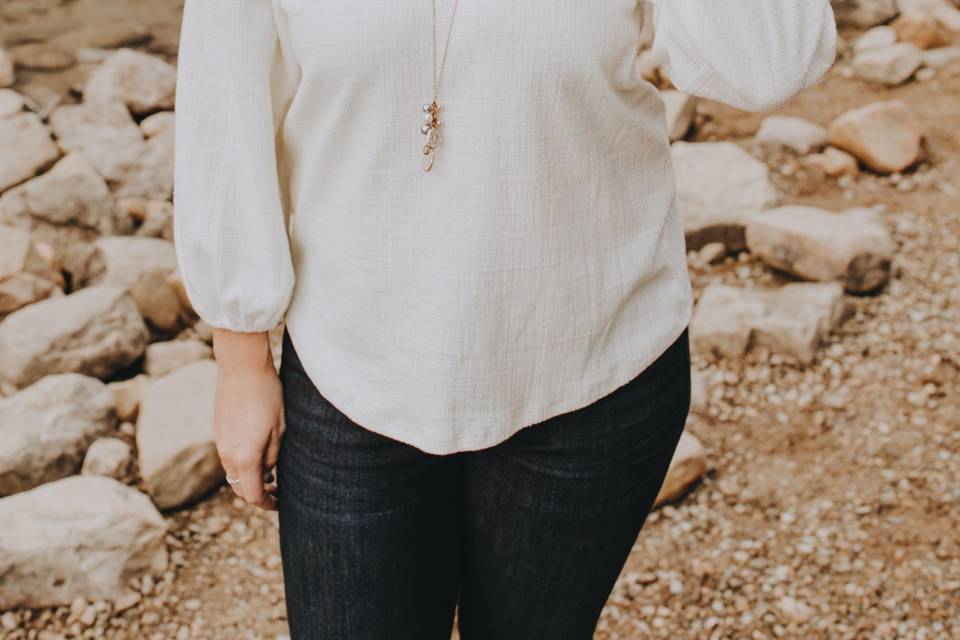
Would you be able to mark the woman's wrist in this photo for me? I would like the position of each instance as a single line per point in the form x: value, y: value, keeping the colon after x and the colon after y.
x: 235, y: 350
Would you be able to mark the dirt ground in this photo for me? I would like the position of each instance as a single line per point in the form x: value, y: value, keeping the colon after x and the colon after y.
x: 830, y: 506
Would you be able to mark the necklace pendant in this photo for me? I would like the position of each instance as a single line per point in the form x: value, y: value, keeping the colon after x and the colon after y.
x: 431, y: 129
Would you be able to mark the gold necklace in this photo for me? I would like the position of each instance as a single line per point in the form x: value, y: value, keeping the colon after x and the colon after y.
x: 431, y: 111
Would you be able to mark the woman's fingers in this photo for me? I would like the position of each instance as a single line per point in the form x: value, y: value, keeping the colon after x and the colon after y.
x: 251, y: 482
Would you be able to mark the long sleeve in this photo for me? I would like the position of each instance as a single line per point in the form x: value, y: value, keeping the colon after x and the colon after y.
x: 751, y: 54
x: 235, y: 80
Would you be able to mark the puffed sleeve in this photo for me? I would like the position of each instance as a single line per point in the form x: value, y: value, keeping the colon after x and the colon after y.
x: 751, y: 54
x: 235, y: 79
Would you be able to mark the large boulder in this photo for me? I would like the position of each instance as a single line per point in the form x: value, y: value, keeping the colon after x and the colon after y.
x: 47, y: 427
x: 97, y: 331
x: 718, y: 186
x: 27, y: 148
x: 885, y: 136
x: 854, y: 247
x: 70, y: 193
x: 178, y: 455
x: 67, y: 207
x: 791, y: 321
x: 78, y: 537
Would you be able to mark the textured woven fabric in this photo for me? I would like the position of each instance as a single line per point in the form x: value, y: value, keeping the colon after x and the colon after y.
x: 541, y: 263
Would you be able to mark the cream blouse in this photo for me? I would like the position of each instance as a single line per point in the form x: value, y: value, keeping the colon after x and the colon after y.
x: 539, y: 265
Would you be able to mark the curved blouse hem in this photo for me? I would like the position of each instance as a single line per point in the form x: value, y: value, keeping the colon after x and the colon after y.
x: 624, y: 372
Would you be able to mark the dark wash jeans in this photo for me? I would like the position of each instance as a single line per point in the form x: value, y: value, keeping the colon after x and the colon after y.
x: 382, y: 541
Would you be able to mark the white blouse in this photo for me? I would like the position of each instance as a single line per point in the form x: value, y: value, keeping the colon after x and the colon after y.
x: 537, y: 267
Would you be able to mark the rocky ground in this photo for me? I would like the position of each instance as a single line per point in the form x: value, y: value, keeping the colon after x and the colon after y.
x: 828, y: 509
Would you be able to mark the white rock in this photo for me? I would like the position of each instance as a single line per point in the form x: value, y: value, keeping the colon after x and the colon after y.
x: 125, y: 260
x: 163, y: 357
x: 27, y: 148
x: 11, y: 102
x: 110, y: 457
x: 834, y: 162
x: 142, y: 82
x: 25, y: 275
x: 82, y: 536
x: 877, y: 37
x: 791, y: 321
x: 177, y: 452
x: 70, y: 193
x: 103, y: 133
x: 718, y: 186
x: 797, y: 134
x: 885, y: 136
x: 891, y: 65
x: 941, y: 57
x: 67, y: 208
x: 854, y: 248
x: 47, y: 428
x: 96, y: 330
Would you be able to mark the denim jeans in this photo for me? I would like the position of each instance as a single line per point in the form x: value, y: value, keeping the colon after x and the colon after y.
x: 525, y: 539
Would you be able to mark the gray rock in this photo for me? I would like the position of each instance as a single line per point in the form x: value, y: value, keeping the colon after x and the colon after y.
x: 177, y: 453
x: 791, y: 321
x: 854, y: 247
x: 79, y: 537
x: 97, y: 331
x: 718, y: 186
x: 27, y: 148
x: 47, y: 428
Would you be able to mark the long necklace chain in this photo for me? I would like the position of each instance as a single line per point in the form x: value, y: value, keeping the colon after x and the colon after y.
x: 431, y: 111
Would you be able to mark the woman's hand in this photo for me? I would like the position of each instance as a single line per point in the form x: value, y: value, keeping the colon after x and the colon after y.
x: 248, y: 414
